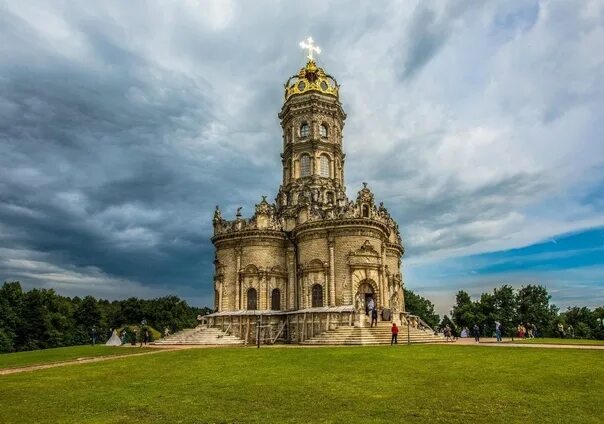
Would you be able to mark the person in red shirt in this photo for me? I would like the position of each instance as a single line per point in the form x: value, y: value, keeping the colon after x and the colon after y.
x: 394, y: 330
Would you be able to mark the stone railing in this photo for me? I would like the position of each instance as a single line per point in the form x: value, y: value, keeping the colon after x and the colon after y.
x: 281, y: 326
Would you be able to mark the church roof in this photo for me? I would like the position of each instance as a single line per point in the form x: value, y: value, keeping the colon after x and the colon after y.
x: 311, y: 78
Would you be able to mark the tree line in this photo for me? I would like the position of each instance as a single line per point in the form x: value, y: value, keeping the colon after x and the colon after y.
x: 511, y: 307
x: 40, y: 318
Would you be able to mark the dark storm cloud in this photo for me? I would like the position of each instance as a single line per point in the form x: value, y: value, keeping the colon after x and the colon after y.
x: 428, y: 32
x: 89, y: 173
x: 123, y: 124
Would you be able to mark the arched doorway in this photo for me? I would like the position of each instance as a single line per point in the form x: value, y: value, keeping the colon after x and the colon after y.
x: 276, y: 300
x: 365, y: 297
x: 317, y: 296
x: 252, y: 299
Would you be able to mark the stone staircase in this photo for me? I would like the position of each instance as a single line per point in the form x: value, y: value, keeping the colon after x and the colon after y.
x: 379, y: 335
x: 200, y: 336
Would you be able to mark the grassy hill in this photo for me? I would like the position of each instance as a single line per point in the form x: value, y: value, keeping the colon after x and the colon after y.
x: 429, y: 383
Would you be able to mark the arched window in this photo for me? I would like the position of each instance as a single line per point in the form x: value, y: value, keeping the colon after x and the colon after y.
x: 323, y: 130
x: 252, y: 299
x: 324, y: 166
x: 330, y: 197
x: 276, y: 300
x: 317, y: 296
x: 304, y: 130
x: 365, y: 211
x: 305, y: 166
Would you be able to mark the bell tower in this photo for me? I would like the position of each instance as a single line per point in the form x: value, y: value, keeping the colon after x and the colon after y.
x: 312, y: 120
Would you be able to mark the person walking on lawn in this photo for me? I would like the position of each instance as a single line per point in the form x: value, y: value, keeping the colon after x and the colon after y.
x: 394, y: 330
x: 498, y: 329
x: 476, y: 333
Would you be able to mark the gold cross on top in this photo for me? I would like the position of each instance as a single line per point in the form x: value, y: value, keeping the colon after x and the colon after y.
x: 308, y: 44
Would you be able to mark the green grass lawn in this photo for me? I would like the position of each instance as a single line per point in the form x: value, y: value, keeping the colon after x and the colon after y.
x: 38, y: 357
x: 425, y: 384
x: 558, y: 341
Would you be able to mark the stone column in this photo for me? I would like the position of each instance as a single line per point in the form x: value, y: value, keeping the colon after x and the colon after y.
x: 238, y: 281
x: 220, y: 295
x: 382, y: 278
x: 332, y: 166
x: 291, y: 278
x: 262, y: 291
x: 332, y: 274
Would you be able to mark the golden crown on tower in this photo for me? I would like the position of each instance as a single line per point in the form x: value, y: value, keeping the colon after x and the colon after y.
x: 311, y: 77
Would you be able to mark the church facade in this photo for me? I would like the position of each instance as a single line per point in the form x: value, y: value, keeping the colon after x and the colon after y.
x: 313, y: 248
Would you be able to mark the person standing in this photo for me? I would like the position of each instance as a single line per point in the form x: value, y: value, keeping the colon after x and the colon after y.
x: 370, y: 305
x: 394, y: 331
x: 374, y: 317
x: 498, y: 331
x: 521, y: 331
x: 448, y: 335
x: 476, y: 330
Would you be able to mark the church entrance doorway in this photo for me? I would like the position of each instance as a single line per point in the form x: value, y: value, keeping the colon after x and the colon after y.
x: 366, y: 298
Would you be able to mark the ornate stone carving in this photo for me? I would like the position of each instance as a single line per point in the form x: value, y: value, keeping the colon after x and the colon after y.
x: 305, y: 210
x: 264, y: 207
x: 365, y: 195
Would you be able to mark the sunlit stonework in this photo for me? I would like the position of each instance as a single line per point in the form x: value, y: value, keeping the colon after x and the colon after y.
x: 313, y: 248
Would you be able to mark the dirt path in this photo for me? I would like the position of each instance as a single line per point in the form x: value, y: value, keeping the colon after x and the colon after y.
x: 157, y: 349
x: 79, y: 361
x: 491, y: 342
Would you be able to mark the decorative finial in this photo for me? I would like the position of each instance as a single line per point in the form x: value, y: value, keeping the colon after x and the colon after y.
x: 217, y: 214
x: 364, y: 186
x: 238, y: 215
x: 308, y: 44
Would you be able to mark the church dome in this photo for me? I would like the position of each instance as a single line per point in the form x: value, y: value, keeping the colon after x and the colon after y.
x: 311, y: 78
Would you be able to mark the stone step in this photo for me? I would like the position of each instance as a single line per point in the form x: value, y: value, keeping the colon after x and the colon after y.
x: 200, y: 336
x: 371, y: 336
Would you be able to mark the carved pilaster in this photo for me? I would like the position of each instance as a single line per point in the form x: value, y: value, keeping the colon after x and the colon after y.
x: 238, y: 252
x: 332, y: 272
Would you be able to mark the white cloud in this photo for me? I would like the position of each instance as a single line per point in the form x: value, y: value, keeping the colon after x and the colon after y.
x: 478, y: 123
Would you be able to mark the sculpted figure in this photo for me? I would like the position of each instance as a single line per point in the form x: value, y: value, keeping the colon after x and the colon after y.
x: 359, y: 303
x: 217, y: 214
x: 394, y: 302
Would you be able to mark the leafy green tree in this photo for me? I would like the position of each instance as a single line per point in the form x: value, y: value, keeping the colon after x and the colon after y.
x: 504, y: 302
x: 464, y: 312
x: 88, y: 314
x: 534, y: 308
x: 417, y: 305
x: 11, y: 302
x: 599, y: 330
x: 34, y: 331
x: 40, y: 318
x: 583, y: 320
